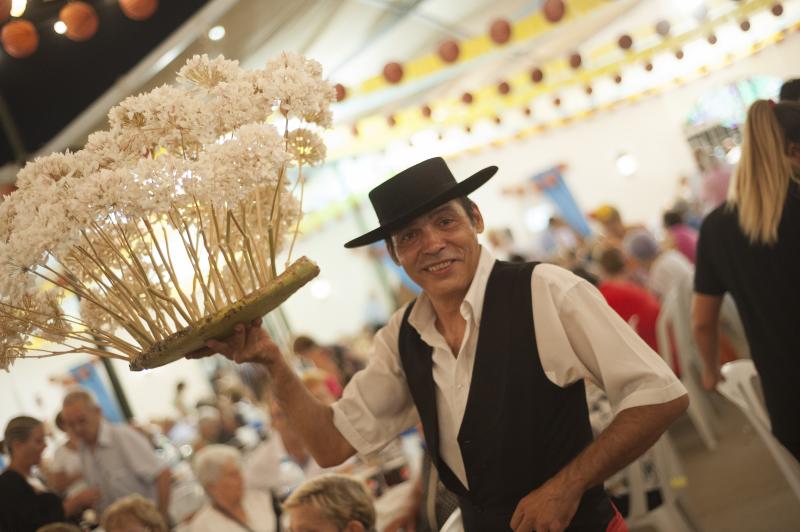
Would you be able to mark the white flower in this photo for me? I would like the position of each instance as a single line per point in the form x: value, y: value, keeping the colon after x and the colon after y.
x: 295, y: 83
x: 306, y: 147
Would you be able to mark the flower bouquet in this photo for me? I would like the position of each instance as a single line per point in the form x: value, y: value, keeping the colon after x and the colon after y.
x: 166, y: 226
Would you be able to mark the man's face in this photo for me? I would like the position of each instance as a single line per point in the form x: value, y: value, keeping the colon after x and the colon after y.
x: 83, y: 419
x: 440, y: 250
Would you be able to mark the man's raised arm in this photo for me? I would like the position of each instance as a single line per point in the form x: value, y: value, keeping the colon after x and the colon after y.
x: 312, y: 419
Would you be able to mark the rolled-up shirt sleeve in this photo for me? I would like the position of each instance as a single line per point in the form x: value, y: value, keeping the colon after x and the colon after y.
x: 579, y: 336
x: 376, y: 404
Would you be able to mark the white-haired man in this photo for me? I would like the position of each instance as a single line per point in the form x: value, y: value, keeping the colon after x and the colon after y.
x: 115, y: 457
x: 504, y: 411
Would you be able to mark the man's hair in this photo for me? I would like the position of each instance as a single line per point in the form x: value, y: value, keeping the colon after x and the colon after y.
x: 790, y: 91
x: 79, y: 394
x: 464, y: 201
x: 133, y: 507
x: 612, y: 261
x: 339, y: 498
x: 672, y: 217
x: 302, y: 344
x: 209, y: 462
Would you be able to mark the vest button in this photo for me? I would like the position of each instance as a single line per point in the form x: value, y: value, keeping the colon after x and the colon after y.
x: 467, y: 442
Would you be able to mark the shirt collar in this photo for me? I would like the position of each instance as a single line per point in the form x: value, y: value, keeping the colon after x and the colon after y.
x: 423, y: 317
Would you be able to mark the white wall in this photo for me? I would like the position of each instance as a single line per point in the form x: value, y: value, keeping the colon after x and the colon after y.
x: 27, y: 388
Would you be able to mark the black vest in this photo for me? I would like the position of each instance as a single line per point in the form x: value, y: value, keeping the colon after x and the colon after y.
x: 519, y: 429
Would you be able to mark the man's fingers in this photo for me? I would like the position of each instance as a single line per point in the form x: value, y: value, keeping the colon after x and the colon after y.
x: 516, y: 519
x: 201, y: 353
x: 215, y: 346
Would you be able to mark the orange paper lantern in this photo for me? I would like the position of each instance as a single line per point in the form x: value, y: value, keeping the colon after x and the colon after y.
x: 81, y: 20
x: 341, y: 92
x: 138, y: 9
x: 449, y: 51
x: 393, y: 72
x: 554, y: 10
x: 500, y: 31
x: 20, y: 38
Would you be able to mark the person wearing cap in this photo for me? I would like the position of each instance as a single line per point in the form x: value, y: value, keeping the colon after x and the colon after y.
x: 491, y: 357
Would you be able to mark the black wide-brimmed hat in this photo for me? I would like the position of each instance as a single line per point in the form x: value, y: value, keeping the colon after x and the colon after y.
x: 414, y: 192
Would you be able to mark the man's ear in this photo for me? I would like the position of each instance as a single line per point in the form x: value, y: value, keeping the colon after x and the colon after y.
x: 354, y: 526
x: 476, y: 215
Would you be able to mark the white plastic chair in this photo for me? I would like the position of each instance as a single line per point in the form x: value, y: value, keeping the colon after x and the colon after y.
x: 670, y: 515
x: 740, y: 387
x: 675, y: 315
x: 453, y: 523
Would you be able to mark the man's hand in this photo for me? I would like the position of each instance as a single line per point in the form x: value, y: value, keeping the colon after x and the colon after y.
x: 549, y: 508
x: 248, y: 343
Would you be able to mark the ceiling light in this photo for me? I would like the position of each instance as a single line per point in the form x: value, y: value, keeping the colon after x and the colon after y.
x: 216, y: 33
x: 627, y: 165
x: 18, y: 7
x: 59, y: 27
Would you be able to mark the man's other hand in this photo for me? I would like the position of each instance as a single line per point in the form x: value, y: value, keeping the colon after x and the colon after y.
x: 549, y: 508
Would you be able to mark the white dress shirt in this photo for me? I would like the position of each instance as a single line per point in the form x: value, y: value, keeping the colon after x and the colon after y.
x: 577, y: 335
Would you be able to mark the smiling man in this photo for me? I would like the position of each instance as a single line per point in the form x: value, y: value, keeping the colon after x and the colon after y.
x: 491, y: 357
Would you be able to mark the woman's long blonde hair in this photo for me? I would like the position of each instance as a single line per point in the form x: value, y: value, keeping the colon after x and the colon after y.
x: 761, y: 180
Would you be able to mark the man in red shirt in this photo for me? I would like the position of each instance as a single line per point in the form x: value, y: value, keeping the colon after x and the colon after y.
x: 633, y: 303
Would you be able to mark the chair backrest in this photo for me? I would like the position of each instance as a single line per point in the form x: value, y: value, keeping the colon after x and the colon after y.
x: 453, y: 523
x: 675, y: 315
x: 665, y: 465
x: 741, y: 388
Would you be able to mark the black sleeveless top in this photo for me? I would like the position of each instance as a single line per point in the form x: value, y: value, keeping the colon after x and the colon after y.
x: 519, y: 429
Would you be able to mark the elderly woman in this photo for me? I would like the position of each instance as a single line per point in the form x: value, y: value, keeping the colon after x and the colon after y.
x: 230, y: 507
x: 331, y: 503
x: 133, y: 513
x: 25, y: 505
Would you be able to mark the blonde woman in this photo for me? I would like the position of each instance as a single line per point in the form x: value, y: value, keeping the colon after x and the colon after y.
x: 331, y: 503
x: 750, y: 247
